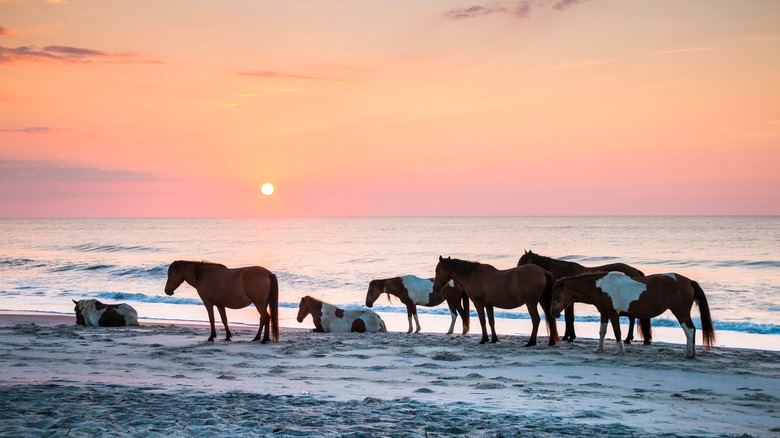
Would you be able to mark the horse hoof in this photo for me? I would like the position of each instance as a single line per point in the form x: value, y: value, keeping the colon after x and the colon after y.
x: 211, y: 339
x: 530, y: 344
x: 484, y: 341
x: 627, y: 342
x: 227, y: 339
x: 647, y: 342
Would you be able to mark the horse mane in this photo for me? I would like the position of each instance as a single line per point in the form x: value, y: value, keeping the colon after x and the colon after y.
x: 540, y: 260
x: 458, y: 266
x: 583, y: 275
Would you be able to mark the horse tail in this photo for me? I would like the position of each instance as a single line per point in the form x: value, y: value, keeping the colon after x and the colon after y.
x: 708, y: 332
x: 645, y: 329
x: 546, y: 302
x: 273, y: 303
x: 466, y: 312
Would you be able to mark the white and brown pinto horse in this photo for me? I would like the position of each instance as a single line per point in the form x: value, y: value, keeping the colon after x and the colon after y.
x: 562, y: 269
x: 236, y: 288
x: 97, y: 314
x: 489, y: 287
x: 331, y: 319
x: 414, y: 291
x: 615, y: 294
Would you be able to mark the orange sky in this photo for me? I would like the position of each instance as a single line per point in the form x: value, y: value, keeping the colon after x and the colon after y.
x: 402, y: 107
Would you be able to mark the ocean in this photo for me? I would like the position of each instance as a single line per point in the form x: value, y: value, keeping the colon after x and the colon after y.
x: 46, y: 263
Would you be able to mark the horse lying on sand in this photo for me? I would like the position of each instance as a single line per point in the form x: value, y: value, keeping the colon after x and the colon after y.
x: 488, y: 287
x: 616, y: 294
x: 331, y: 319
x: 97, y: 314
x: 236, y: 288
x: 562, y: 268
x: 414, y: 291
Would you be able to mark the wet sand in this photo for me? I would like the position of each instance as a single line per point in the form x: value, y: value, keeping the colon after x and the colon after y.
x: 60, y: 379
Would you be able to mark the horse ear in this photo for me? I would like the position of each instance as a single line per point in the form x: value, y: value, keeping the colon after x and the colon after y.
x: 441, y: 258
x: 74, y: 301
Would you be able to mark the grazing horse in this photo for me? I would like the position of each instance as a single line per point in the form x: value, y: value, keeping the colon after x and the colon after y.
x: 97, y: 314
x: 616, y: 294
x: 488, y: 287
x: 412, y: 290
x: 561, y: 269
x: 236, y: 288
x: 331, y: 319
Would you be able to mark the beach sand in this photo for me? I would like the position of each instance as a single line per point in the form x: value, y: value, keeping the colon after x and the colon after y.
x: 163, y: 378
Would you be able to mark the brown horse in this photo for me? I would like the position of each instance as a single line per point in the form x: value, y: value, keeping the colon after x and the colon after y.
x: 616, y: 294
x: 561, y: 269
x: 237, y: 288
x: 488, y: 287
x: 413, y: 291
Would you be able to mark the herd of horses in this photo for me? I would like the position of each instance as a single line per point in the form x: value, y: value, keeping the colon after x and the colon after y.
x: 615, y: 290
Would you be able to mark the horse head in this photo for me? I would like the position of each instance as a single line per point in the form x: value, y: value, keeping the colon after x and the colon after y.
x: 562, y: 297
x: 527, y: 257
x: 443, y: 276
x: 79, y: 316
x: 303, y: 308
x: 175, y: 276
x: 375, y: 289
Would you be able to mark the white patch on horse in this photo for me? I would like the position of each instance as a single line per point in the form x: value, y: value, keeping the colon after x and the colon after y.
x: 332, y: 323
x: 419, y: 289
x: 672, y: 275
x: 621, y: 289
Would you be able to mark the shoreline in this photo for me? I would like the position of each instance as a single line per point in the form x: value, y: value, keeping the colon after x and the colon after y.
x: 88, y: 381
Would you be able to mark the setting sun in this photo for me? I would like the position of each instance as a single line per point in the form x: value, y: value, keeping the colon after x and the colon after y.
x: 267, y: 189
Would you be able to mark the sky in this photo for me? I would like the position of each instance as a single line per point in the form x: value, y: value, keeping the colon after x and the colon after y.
x: 120, y: 108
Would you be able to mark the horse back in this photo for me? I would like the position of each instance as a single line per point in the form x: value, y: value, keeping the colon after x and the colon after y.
x: 235, y: 288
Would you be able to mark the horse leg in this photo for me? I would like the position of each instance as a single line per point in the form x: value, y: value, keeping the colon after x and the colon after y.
x: 569, y: 334
x: 602, y: 332
x: 492, y: 324
x: 482, y: 322
x: 265, y: 321
x: 222, y: 315
x: 630, y: 335
x: 409, y: 312
x: 210, y: 311
x: 454, y: 315
x: 615, y: 319
x: 416, y: 321
x: 533, y: 311
x: 690, y: 334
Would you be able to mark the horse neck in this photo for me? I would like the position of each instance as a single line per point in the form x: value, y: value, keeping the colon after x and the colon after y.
x: 190, y: 273
x: 461, y: 279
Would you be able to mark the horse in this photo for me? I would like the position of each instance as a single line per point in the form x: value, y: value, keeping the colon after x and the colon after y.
x: 489, y: 287
x: 97, y: 314
x: 413, y: 291
x: 331, y: 319
x: 236, y: 288
x: 561, y: 268
x: 615, y: 294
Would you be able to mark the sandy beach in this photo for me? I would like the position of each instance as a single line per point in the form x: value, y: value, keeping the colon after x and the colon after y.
x: 60, y: 379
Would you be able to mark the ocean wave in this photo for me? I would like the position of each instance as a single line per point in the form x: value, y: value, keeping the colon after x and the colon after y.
x: 755, y: 264
x: 88, y: 247
x: 117, y: 296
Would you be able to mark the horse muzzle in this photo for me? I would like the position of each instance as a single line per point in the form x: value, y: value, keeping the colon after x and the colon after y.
x: 436, y: 289
x: 556, y: 313
x: 168, y: 292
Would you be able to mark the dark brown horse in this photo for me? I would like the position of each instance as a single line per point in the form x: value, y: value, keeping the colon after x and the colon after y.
x: 237, y: 288
x: 489, y: 287
x: 562, y: 268
x: 616, y: 294
x: 414, y: 291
